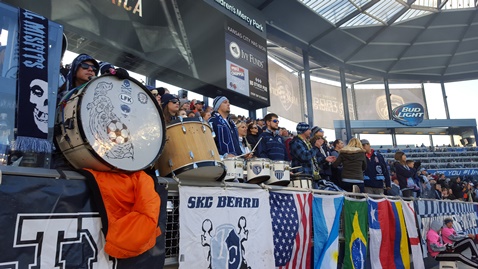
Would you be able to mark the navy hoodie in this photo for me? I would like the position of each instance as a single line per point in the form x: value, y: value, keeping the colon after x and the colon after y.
x: 376, y: 172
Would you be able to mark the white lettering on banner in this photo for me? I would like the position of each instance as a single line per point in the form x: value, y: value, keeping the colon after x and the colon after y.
x: 51, y: 234
x: 246, y: 38
x: 328, y: 104
x: 410, y: 114
x: 138, y: 7
x: 240, y: 14
x: 222, y: 201
x: 33, y: 36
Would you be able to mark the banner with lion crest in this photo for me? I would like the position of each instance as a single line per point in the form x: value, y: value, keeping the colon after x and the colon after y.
x: 225, y: 228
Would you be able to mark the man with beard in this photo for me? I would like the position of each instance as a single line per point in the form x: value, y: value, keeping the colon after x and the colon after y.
x: 227, y: 137
x: 271, y: 144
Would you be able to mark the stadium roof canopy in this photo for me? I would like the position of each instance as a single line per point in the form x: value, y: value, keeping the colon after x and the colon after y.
x: 405, y: 40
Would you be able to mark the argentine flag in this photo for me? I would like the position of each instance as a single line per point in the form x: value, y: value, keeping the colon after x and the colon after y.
x: 326, y: 221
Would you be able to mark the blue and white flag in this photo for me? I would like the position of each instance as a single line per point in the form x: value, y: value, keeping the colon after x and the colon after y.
x: 225, y: 228
x: 326, y: 218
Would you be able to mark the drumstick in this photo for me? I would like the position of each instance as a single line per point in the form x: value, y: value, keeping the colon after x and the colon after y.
x: 252, y: 151
x: 242, y: 155
x: 259, y: 141
x: 297, y: 167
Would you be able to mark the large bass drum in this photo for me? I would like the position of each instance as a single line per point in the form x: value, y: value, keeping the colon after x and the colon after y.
x: 110, y: 125
x: 190, y: 152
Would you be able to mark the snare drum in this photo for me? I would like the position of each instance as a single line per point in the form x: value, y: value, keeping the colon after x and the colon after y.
x: 301, y: 181
x: 280, y: 173
x: 190, y: 152
x: 258, y: 170
x: 234, y: 168
x: 110, y: 125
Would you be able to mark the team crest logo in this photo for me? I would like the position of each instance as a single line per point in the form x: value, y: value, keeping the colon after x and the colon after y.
x: 279, y: 174
x: 283, y: 90
x: 257, y: 169
x: 381, y: 105
x: 226, y: 249
x: 378, y: 168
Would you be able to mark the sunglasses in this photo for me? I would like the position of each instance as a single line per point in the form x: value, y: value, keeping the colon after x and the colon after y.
x: 275, y: 121
x: 174, y: 101
x: 255, y: 127
x: 86, y: 66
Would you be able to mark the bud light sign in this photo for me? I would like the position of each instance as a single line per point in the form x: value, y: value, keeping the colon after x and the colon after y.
x: 409, y: 114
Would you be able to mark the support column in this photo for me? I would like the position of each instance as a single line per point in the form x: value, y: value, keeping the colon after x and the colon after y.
x: 252, y: 114
x: 308, y: 88
x: 343, y: 85
x: 389, y: 108
x: 445, y: 100
x: 426, y: 109
x: 150, y: 81
x: 354, y: 101
x: 447, y: 111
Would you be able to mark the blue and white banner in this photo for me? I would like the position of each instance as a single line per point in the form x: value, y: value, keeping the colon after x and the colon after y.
x: 464, y: 217
x: 327, y: 210
x: 455, y: 172
x: 225, y: 228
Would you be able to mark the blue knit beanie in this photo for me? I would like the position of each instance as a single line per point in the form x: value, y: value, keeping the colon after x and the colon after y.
x: 302, y: 127
x: 218, y: 101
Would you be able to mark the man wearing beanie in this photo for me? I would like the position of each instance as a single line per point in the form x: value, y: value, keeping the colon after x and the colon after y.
x: 303, y: 153
x: 226, y: 135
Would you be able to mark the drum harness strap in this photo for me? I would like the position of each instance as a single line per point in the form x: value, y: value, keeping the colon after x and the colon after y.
x: 68, y: 123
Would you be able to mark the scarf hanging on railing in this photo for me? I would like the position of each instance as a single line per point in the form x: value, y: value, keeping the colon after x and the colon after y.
x: 32, y: 114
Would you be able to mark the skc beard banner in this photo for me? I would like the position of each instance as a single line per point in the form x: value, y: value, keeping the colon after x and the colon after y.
x: 225, y: 228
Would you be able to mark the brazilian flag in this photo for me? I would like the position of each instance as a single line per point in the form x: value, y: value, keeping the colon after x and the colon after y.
x: 356, y: 226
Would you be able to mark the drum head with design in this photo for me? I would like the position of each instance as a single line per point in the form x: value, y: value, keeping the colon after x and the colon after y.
x: 122, y: 123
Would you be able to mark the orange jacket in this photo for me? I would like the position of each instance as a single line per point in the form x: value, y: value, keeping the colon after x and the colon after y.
x: 132, y: 207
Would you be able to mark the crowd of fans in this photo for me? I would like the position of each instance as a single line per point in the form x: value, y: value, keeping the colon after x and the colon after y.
x: 438, y: 186
x: 352, y: 167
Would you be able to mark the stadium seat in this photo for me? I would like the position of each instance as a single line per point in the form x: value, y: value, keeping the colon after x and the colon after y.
x: 448, y: 265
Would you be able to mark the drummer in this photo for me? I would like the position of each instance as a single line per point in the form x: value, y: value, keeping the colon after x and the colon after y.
x: 83, y: 69
x: 170, y: 106
x: 227, y: 137
x: 271, y: 144
x: 243, y: 143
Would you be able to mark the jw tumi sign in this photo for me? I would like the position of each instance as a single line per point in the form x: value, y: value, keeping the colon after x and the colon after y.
x: 409, y: 114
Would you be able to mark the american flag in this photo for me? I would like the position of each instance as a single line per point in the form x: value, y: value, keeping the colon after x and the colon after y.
x: 291, y: 224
